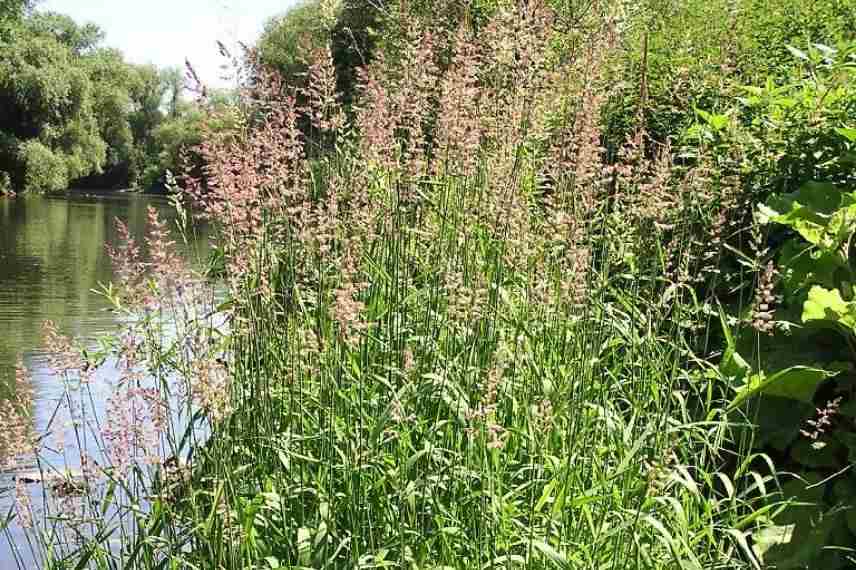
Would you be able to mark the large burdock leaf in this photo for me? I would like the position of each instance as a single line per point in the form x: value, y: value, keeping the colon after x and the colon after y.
x: 847, y: 132
x: 806, y: 221
x: 797, y: 383
x: 828, y: 305
x: 824, y: 198
x: 806, y: 535
x: 803, y: 266
x: 819, y: 211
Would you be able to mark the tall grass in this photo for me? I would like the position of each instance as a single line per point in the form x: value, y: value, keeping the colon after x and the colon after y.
x: 458, y: 338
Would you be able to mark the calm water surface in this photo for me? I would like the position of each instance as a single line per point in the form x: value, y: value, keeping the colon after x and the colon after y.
x: 52, y: 257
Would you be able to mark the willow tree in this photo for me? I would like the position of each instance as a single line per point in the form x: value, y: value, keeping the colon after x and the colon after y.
x: 50, y: 133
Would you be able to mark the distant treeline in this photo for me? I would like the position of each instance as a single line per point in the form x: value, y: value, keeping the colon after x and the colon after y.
x: 74, y: 113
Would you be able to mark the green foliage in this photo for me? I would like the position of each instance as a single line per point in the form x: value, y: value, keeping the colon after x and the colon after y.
x: 355, y: 37
x: 95, y: 113
x: 806, y: 535
x: 351, y: 28
x: 46, y: 170
x: 811, y: 138
x: 173, y: 79
x: 288, y: 41
x: 171, y: 137
x: 797, y: 127
x: 789, y: 142
x: 827, y: 305
x: 14, y: 10
x: 78, y: 38
x: 794, y: 383
x: 697, y: 53
x: 46, y: 99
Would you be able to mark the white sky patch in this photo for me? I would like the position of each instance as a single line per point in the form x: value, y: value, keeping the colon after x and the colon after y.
x: 165, y: 32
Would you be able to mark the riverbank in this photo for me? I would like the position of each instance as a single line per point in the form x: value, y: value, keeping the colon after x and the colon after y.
x: 560, y: 290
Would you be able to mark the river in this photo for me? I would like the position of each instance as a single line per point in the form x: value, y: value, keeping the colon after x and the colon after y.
x: 52, y: 257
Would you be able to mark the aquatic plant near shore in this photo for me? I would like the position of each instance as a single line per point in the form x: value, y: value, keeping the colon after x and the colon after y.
x: 462, y: 224
x: 16, y: 436
x: 166, y: 394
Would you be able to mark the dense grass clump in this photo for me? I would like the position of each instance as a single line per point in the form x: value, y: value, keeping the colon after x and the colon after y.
x: 459, y: 340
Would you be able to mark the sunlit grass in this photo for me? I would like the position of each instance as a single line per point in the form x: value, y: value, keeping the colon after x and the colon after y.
x: 461, y: 356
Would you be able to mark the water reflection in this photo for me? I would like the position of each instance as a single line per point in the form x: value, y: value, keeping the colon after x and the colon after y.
x: 52, y: 257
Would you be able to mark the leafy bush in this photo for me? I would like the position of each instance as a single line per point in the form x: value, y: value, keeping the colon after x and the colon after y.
x: 288, y: 39
x: 46, y: 170
x: 696, y: 54
x: 792, y: 144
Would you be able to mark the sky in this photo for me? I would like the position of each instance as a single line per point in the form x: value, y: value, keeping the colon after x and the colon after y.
x: 164, y: 32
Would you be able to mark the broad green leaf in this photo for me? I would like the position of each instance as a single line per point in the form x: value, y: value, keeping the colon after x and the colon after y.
x: 718, y: 122
x: 703, y: 114
x: 847, y: 132
x: 848, y: 440
x: 766, y: 214
x: 797, y: 383
x: 805, y: 530
x: 824, y: 456
x: 804, y: 220
x: 778, y: 421
x: 803, y: 266
x: 848, y: 409
x: 732, y: 366
x: 827, y: 305
x: 546, y: 496
x: 841, y: 226
x: 844, y: 489
x: 797, y: 53
x: 820, y: 212
x: 821, y: 197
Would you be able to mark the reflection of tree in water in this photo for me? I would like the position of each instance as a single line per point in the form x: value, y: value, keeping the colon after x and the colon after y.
x: 52, y: 255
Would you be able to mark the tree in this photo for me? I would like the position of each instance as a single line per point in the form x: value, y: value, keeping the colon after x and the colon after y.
x: 74, y: 112
x: 46, y: 114
x: 15, y: 9
x: 111, y: 79
x: 351, y: 31
x: 79, y: 38
x: 288, y: 40
x: 173, y: 83
x: 354, y: 40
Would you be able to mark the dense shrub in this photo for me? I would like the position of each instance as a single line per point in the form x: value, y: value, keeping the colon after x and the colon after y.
x: 697, y: 54
x: 46, y: 172
x: 59, y: 87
